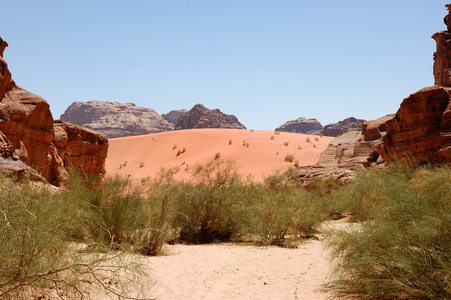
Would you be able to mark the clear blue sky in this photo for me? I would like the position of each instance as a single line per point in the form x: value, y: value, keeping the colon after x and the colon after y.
x: 265, y: 61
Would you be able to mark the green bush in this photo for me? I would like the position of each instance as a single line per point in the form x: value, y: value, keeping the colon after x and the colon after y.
x: 37, y: 250
x: 403, y: 247
x: 204, y: 208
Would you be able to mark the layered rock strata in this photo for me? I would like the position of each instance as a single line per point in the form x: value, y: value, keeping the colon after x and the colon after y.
x: 421, y: 129
x: 201, y: 117
x: 28, y: 134
x: 115, y: 119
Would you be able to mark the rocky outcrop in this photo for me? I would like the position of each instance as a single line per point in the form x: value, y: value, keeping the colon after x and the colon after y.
x: 82, y: 148
x: 442, y: 57
x: 174, y: 115
x: 115, y: 119
x: 201, y: 117
x: 302, y: 125
x: 349, y: 152
x: 341, y: 127
x: 28, y: 133
x: 421, y: 129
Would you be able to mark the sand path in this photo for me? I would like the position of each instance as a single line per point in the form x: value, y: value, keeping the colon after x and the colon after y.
x: 228, y: 271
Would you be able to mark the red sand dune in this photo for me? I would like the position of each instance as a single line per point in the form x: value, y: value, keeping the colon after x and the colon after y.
x: 145, y: 155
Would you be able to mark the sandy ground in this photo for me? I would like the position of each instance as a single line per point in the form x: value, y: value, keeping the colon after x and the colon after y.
x: 234, y: 271
x: 256, y: 152
x: 229, y: 271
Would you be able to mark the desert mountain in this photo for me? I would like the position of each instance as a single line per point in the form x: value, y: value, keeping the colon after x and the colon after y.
x: 201, y: 117
x: 302, y: 125
x: 115, y: 119
x: 341, y: 127
x: 31, y: 142
x: 174, y: 115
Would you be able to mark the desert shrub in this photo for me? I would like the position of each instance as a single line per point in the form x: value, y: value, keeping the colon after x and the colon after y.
x: 37, y: 250
x: 403, y: 248
x: 157, y: 230
x: 289, y: 158
x: 116, y: 214
x: 119, y: 206
x: 204, y: 208
x: 280, y: 210
x: 270, y: 215
x: 286, y: 143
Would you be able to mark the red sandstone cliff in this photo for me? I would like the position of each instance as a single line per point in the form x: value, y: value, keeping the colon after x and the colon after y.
x: 28, y: 134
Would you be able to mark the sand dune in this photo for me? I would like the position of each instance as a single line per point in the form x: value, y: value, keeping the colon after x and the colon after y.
x: 258, y: 153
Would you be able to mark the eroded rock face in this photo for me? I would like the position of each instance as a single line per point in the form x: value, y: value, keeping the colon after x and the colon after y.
x: 349, y: 152
x: 174, y: 115
x: 115, y: 119
x: 80, y: 147
x: 27, y: 134
x: 201, y: 117
x: 442, y: 57
x: 302, y: 125
x: 421, y: 129
x: 341, y: 127
x: 6, y: 82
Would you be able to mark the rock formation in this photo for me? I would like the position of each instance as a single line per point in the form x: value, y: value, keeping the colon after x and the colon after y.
x: 115, y: 119
x: 28, y: 134
x: 174, y: 115
x: 341, y: 127
x: 349, y: 152
x: 201, y: 117
x: 302, y: 125
x: 421, y: 129
x: 442, y: 57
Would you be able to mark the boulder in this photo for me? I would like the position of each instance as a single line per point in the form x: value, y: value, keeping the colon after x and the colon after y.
x: 341, y: 127
x: 27, y: 134
x: 421, y: 128
x: 115, y: 119
x: 174, y: 115
x: 201, y: 117
x: 302, y: 125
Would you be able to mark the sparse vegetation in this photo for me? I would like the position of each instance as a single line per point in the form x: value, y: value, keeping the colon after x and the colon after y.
x: 230, y: 142
x: 179, y: 152
x: 316, y: 138
x: 289, y: 158
x: 402, y: 247
x: 174, y: 147
x: 272, y: 137
x: 307, y: 140
x: 276, y: 132
x: 286, y: 143
x: 141, y: 164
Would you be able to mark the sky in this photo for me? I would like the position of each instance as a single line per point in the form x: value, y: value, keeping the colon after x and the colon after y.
x: 265, y: 61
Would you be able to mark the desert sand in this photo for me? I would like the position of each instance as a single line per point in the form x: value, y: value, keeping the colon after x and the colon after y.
x: 259, y: 153
x: 237, y: 271
x: 227, y: 271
